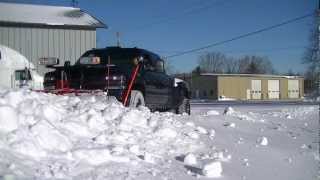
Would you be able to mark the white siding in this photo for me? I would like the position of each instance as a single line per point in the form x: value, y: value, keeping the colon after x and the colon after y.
x: 66, y: 44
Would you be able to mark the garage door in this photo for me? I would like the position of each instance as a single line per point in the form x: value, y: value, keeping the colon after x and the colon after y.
x: 273, y: 89
x: 293, y: 88
x: 256, y: 89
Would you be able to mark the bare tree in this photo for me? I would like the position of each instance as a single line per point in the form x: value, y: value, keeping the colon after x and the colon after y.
x: 311, y: 56
x: 212, y: 62
x: 231, y: 65
x: 255, y: 65
x: 243, y: 64
x: 216, y: 62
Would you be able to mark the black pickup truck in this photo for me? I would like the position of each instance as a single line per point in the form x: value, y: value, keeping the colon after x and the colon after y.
x: 134, y: 72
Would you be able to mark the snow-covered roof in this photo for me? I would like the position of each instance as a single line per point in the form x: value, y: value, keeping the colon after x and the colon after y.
x: 47, y: 15
x: 251, y: 75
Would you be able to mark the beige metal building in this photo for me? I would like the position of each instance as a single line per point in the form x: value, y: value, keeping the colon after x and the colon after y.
x: 38, y: 31
x: 247, y: 87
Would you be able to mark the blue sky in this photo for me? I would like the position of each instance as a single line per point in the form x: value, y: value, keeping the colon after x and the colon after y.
x: 167, y: 27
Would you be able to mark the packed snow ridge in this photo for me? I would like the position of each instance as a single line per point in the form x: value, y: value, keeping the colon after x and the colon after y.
x: 66, y: 136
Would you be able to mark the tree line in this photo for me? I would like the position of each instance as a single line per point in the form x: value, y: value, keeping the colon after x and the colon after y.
x: 217, y: 62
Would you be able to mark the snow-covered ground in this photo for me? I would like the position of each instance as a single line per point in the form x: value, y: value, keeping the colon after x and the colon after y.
x: 44, y: 136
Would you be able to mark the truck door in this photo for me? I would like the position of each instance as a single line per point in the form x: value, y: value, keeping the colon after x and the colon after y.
x: 156, y: 84
x: 165, y: 82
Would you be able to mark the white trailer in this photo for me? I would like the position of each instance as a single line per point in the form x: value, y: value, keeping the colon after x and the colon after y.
x: 17, y: 72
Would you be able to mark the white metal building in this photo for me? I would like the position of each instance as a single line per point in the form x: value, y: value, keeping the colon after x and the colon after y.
x: 47, y: 31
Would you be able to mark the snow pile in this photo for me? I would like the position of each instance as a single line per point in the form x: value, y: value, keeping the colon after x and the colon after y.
x: 70, y: 132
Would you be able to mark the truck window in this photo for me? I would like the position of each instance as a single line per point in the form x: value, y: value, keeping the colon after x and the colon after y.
x: 159, y: 66
x: 148, y: 64
x: 22, y: 75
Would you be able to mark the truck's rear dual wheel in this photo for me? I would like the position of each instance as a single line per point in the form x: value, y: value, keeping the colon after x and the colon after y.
x: 136, y: 99
x: 184, y: 107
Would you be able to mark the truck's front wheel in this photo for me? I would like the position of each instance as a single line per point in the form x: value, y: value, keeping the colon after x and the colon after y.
x: 184, y: 107
x: 136, y: 99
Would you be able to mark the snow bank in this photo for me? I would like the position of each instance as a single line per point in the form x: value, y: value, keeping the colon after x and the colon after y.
x: 87, y: 130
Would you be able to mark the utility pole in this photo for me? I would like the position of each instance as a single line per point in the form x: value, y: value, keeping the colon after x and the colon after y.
x: 118, y: 39
x: 318, y: 48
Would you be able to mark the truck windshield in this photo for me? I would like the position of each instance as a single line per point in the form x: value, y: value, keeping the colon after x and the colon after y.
x: 122, y: 60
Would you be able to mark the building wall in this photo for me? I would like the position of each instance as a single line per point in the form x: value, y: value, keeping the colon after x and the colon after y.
x: 34, y: 42
x: 237, y: 87
x: 204, y: 87
x: 233, y: 87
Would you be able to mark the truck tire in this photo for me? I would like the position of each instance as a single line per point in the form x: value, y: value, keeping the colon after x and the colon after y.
x: 184, y: 107
x: 136, y: 99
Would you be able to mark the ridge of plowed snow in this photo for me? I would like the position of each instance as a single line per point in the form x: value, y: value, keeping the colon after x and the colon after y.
x: 87, y: 130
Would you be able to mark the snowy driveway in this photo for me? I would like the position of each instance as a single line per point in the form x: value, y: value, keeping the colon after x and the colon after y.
x: 45, y: 136
x: 292, y: 134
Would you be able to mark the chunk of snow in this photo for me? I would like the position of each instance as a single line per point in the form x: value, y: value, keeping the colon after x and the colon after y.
x: 92, y: 156
x: 212, y: 133
x: 229, y: 124
x: 149, y: 158
x: 193, y: 135
x: 134, y: 149
x: 246, y: 162
x: 191, y: 124
x: 190, y: 159
x: 262, y: 141
x: 49, y: 138
x: 8, y: 119
x: 288, y: 116
x: 228, y: 111
x: 202, y: 130
x: 212, y: 169
x: 166, y: 132
x: 133, y: 119
x: 212, y: 113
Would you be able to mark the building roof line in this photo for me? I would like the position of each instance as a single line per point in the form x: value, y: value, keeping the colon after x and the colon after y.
x: 251, y: 75
x: 47, y: 15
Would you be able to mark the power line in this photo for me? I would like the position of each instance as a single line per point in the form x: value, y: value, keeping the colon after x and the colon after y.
x: 247, y: 50
x: 241, y: 36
